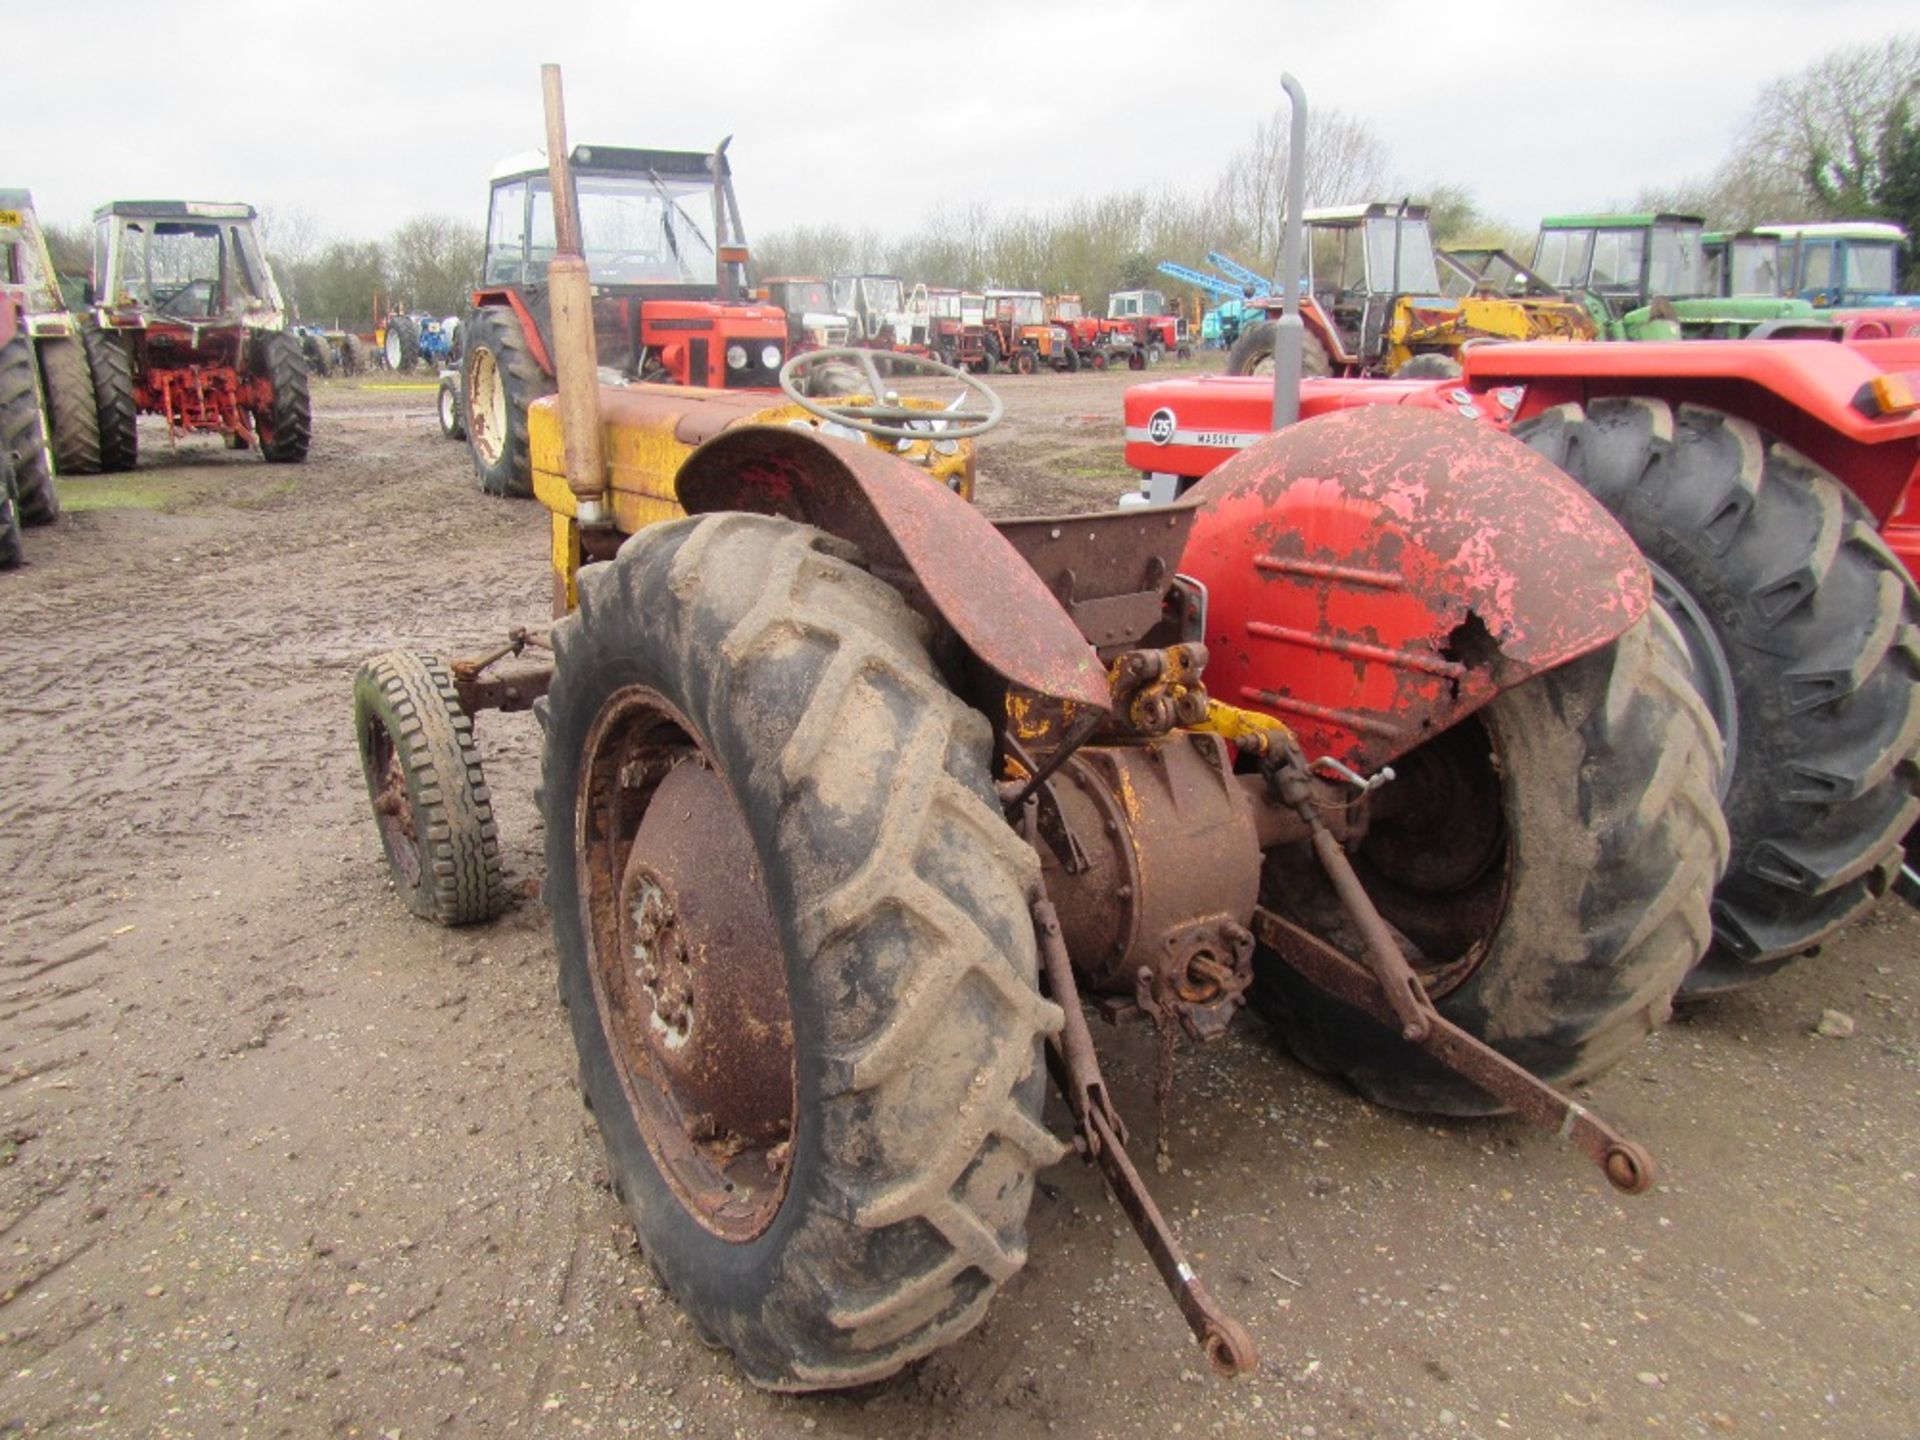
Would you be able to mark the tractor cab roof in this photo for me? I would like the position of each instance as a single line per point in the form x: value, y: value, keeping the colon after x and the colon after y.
x: 1876, y: 231
x: 16, y: 199
x: 619, y: 160
x: 176, y: 210
x: 1335, y: 215
x: 1643, y: 221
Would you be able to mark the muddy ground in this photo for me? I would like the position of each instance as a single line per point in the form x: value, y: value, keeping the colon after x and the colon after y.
x: 276, y: 1159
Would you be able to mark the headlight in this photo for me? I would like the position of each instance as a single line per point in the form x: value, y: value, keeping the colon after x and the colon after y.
x: 770, y: 357
x: 736, y: 357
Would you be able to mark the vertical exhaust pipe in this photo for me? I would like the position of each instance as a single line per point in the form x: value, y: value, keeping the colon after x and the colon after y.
x: 1288, y: 334
x: 576, y: 353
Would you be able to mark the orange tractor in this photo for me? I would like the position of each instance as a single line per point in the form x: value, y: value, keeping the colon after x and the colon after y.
x: 854, y: 799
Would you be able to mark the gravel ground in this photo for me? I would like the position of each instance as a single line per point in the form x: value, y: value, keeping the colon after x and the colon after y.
x: 276, y: 1159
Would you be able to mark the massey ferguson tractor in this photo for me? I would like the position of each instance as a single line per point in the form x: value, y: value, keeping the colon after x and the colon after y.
x: 668, y: 256
x: 188, y: 325
x: 854, y: 800
x: 1773, y: 489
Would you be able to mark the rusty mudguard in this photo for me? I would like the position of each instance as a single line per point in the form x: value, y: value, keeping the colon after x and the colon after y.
x: 1373, y: 576
x: 941, y: 553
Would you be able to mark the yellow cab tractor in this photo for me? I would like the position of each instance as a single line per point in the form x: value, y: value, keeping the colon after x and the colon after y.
x: 1376, y: 303
x: 851, y: 793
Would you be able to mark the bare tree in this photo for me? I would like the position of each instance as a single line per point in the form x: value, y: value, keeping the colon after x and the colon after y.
x: 432, y: 262
x: 1826, y: 126
x: 1346, y: 164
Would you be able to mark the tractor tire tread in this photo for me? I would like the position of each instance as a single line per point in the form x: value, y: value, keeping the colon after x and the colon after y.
x: 914, y: 1224
x: 116, y: 411
x: 414, y: 698
x: 72, y: 415
x: 23, y: 434
x: 288, y: 429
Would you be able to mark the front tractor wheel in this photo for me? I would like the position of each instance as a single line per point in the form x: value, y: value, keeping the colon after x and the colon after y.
x: 502, y: 380
x: 401, y: 347
x: 1547, y: 863
x: 453, y: 422
x: 1803, y: 632
x: 430, y: 799
x: 796, y: 948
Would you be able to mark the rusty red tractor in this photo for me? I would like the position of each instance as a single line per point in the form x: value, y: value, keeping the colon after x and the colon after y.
x: 853, y: 796
x: 668, y: 256
x: 188, y: 324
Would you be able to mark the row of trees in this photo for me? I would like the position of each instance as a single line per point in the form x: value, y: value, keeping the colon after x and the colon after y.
x: 427, y: 264
x: 1839, y: 140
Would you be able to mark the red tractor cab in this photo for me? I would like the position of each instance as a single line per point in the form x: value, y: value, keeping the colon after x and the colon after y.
x: 958, y: 327
x: 667, y: 256
x: 1096, y: 343
x: 1156, y: 329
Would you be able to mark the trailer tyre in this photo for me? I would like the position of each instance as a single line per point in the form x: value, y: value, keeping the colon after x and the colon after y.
x: 73, y: 421
x: 1252, y: 353
x: 111, y: 364
x: 430, y: 799
x: 285, y: 427
x: 736, y: 685
x: 1551, y: 861
x: 1804, y: 631
x: 501, y: 382
x: 24, y: 436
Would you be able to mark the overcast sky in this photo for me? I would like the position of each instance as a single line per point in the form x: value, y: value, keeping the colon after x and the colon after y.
x: 872, y: 114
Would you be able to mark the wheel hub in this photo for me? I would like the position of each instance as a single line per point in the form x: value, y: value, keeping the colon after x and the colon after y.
x: 393, y: 805
x: 688, y: 965
x: 487, y: 406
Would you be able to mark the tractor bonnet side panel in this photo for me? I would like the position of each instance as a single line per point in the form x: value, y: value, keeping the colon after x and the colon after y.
x: 1377, y: 574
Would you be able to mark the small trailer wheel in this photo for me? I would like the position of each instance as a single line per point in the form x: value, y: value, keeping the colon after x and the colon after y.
x: 429, y: 797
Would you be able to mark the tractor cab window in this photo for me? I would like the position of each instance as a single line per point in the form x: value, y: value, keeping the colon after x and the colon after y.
x: 636, y: 230
x: 1400, y: 257
x: 1339, y: 261
x: 1753, y: 268
x: 507, y: 235
x: 1617, y: 260
x: 1870, y: 267
x: 1154, y: 301
x: 178, y: 268
x: 1027, y: 310
x: 1816, y: 265
x: 1123, y: 307
x: 843, y: 295
x: 1679, y: 262
x: 812, y: 297
x: 973, y: 309
x: 885, y: 294
x: 1066, y: 310
x: 1560, y: 257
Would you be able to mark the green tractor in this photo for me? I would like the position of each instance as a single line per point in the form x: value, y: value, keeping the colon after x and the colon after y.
x: 1648, y: 277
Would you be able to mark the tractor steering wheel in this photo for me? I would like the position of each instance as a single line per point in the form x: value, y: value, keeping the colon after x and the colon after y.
x: 886, y: 418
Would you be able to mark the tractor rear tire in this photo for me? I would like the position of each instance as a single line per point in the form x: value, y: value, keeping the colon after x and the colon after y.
x: 1252, y: 353
x: 894, y: 904
x: 115, y: 408
x: 1552, y: 856
x: 401, y: 348
x: 11, y: 552
x: 429, y: 796
x: 1429, y: 365
x: 318, y: 353
x: 72, y: 420
x: 501, y: 381
x: 353, y: 355
x: 286, y: 426
x: 23, y: 434
x: 1805, y: 633
x: 453, y: 420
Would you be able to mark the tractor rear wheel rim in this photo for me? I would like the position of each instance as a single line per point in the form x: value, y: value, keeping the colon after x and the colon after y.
x: 488, y: 406
x: 1708, y: 667
x: 1438, y: 855
x: 395, y: 352
x: 688, y: 969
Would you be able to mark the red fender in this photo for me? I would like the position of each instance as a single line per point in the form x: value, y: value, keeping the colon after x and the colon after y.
x: 1376, y: 575
x: 939, y: 551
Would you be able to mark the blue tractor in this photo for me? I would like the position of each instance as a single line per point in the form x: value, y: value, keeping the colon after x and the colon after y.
x: 412, y: 340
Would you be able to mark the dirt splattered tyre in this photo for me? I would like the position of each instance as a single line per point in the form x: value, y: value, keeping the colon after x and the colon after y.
x: 501, y: 381
x: 429, y: 796
x: 1805, y: 635
x: 1252, y: 353
x: 1552, y: 858
x: 73, y: 425
x: 285, y: 427
x: 1429, y: 366
x: 111, y: 365
x: 871, y: 1200
x: 11, y: 551
x: 23, y: 434
x: 452, y: 413
x: 353, y: 355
